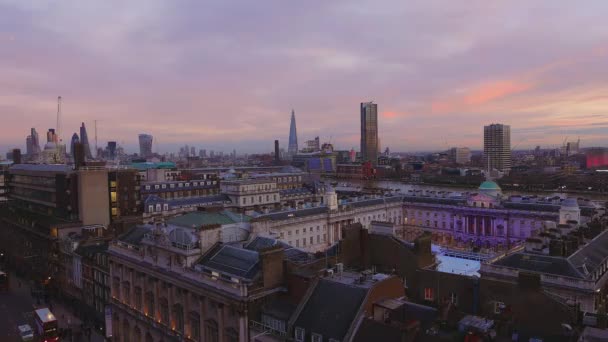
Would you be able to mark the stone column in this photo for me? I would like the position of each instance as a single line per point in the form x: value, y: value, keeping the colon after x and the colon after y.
x: 144, y: 291
x: 132, y: 289
x: 170, y: 302
x: 243, y: 328
x: 156, y: 312
x: 220, y: 321
x: 202, y: 315
x: 186, y: 313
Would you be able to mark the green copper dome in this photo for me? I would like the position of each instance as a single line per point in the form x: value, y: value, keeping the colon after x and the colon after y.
x: 489, y: 185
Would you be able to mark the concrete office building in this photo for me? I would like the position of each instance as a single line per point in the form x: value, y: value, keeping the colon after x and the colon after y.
x: 497, y: 147
x: 145, y: 145
x: 369, y: 132
x: 460, y: 155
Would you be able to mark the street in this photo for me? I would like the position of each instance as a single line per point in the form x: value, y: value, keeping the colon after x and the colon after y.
x: 17, y: 307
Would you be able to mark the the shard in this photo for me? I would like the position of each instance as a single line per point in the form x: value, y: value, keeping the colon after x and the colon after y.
x: 292, y: 149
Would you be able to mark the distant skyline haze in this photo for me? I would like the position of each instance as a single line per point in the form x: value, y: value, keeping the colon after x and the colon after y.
x: 226, y: 74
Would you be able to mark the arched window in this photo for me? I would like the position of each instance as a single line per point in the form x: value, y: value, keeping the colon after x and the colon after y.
x: 211, y: 332
x: 138, y: 299
x: 178, y: 315
x: 136, y: 334
x: 164, y: 311
x: 150, y: 304
x: 195, y: 325
x: 231, y: 335
x: 126, y: 331
x: 126, y: 292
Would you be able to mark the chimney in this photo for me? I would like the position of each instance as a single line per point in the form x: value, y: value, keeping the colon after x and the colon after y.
x: 16, y: 156
x: 556, y: 248
x: 272, y: 266
x: 78, y: 155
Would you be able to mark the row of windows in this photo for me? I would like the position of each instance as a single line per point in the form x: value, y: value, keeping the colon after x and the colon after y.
x: 311, y: 240
x: 304, y: 230
x: 260, y: 199
x: 179, y: 185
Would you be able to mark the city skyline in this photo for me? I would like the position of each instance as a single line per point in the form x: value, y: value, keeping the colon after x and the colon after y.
x: 420, y: 69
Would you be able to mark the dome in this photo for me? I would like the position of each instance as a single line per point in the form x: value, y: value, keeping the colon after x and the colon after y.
x: 489, y: 185
x: 570, y: 203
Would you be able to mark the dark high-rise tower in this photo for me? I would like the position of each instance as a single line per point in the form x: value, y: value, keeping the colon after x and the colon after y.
x: 292, y: 149
x: 369, y: 132
x: 75, y: 140
x: 35, y: 142
x: 29, y: 147
x: 497, y: 147
x: 111, y: 149
x: 84, y: 140
x: 145, y: 145
x: 277, y: 155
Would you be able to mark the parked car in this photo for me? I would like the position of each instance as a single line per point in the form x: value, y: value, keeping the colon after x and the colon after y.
x: 25, y: 332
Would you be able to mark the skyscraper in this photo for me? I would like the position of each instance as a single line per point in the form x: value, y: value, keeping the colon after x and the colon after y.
x: 111, y: 149
x: 29, y: 148
x: 35, y: 141
x: 369, y: 132
x: 145, y: 145
x: 84, y: 140
x: 497, y: 147
x: 292, y: 149
x: 75, y: 140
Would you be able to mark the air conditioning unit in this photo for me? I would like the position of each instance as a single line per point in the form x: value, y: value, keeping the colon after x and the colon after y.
x: 330, y: 272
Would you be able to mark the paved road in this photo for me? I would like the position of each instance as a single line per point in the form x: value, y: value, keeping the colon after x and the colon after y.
x: 17, y: 306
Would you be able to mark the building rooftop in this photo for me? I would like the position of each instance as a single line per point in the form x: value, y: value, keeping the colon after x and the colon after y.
x: 205, y: 218
x: 590, y: 257
x: 296, y: 255
x: 90, y: 250
x: 539, y: 263
x: 55, y: 168
x: 331, y: 309
x: 151, y: 165
x: 284, y: 215
x: 134, y: 235
x: 581, y: 264
x: 489, y: 185
x: 230, y: 260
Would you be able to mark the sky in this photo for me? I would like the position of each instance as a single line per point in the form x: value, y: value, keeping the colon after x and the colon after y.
x: 225, y: 74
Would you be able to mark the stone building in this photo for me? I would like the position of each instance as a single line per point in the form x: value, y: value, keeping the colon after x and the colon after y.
x: 180, y: 283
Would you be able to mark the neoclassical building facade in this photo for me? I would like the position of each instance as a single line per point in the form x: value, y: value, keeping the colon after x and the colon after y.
x: 484, y: 217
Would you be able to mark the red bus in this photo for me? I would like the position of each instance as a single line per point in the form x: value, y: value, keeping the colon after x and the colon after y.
x: 3, y: 281
x: 47, y: 328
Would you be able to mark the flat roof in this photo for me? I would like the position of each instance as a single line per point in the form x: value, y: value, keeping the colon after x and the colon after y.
x: 45, y: 315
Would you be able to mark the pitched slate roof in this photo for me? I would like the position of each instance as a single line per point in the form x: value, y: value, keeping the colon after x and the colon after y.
x: 135, y: 235
x: 203, y: 218
x: 592, y: 255
x: 371, y: 330
x: 234, y: 261
x: 331, y: 309
x: 539, y: 263
x: 259, y: 243
x: 284, y: 215
x: 92, y: 249
x: 581, y: 264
